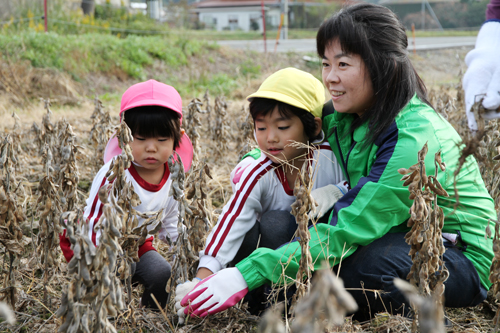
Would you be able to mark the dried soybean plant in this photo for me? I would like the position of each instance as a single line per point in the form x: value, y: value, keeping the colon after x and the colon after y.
x: 304, y: 203
x: 325, y: 306
x: 271, y: 321
x: 192, y: 125
x: 428, y: 271
x: 94, y: 291
x: 100, y: 133
x: 208, y: 110
x: 68, y: 175
x: 184, y: 253
x: 221, y: 133
x: 47, y: 133
x: 245, y: 127
x: 11, y: 216
x: 198, y: 217
x: 48, y: 207
x: 495, y: 268
x: 16, y: 135
x: 429, y: 312
x: 123, y: 198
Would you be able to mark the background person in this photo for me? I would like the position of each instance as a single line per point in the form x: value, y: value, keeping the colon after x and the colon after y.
x: 482, y: 78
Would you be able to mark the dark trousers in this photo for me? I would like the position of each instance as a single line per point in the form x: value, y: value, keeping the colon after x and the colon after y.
x: 274, y: 229
x: 153, y: 272
x: 377, y: 264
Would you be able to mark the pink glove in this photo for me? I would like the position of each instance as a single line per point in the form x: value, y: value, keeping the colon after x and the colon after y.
x: 216, y: 293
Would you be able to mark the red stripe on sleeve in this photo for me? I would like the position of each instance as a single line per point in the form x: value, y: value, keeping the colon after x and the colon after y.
x: 239, y: 208
x: 92, y: 211
x: 233, y: 203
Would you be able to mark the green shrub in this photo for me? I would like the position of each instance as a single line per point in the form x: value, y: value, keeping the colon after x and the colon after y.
x: 81, y: 54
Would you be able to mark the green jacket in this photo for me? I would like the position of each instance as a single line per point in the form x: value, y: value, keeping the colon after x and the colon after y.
x: 378, y: 203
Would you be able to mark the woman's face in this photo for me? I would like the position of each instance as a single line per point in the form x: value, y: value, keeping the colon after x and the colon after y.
x: 347, y: 80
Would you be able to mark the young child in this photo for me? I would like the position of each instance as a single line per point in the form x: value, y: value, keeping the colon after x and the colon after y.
x: 286, y: 110
x: 153, y: 112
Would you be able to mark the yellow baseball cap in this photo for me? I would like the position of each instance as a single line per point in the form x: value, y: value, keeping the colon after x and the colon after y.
x: 295, y: 87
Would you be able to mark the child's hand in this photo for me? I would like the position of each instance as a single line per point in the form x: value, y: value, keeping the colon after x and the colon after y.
x: 326, y: 197
x: 180, y: 292
x: 216, y: 293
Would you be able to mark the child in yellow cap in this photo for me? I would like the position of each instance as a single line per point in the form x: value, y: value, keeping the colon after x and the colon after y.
x: 286, y: 110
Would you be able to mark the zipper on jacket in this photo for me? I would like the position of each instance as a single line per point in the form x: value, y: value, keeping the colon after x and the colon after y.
x: 349, y: 154
x: 344, y: 163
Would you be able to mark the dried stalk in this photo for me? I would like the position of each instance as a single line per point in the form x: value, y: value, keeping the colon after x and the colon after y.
x: 68, y: 176
x: 429, y: 308
x: 192, y: 124
x: 246, y: 133
x: 94, y: 291
x: 123, y: 199
x: 11, y: 216
x: 428, y: 271
x: 495, y: 268
x: 199, y: 215
x: 49, y: 209
x: 221, y: 133
x: 184, y: 253
x: 326, y: 305
x: 100, y: 133
x: 300, y: 208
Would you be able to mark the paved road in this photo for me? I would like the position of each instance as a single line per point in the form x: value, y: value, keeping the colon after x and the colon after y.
x: 309, y: 45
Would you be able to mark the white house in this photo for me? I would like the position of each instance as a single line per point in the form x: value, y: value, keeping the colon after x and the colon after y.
x: 243, y: 15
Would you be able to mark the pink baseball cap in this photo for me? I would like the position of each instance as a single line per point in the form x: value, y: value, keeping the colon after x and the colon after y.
x: 146, y: 93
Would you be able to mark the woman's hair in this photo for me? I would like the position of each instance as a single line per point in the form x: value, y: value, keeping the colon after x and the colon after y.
x: 154, y: 121
x: 375, y: 34
x: 260, y: 106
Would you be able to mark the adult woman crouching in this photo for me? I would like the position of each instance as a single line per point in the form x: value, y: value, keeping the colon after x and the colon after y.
x: 377, y: 122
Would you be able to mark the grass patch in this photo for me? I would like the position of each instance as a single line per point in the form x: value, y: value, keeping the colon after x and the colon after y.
x: 79, y: 55
x: 444, y: 33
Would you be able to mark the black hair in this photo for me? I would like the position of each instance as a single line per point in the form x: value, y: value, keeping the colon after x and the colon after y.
x: 260, y: 106
x: 152, y: 121
x: 375, y: 34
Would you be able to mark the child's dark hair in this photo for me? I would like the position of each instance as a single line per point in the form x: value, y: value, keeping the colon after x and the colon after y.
x: 375, y: 34
x: 153, y: 121
x: 262, y: 106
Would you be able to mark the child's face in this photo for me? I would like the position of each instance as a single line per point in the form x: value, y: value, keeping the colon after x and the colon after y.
x: 152, y: 153
x: 275, y: 133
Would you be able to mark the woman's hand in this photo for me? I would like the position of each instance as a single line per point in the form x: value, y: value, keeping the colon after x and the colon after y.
x: 216, y: 293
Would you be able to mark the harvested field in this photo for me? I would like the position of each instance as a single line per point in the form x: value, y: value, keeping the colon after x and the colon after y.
x: 34, y: 273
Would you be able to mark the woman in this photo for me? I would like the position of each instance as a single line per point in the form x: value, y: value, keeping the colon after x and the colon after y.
x: 380, y: 119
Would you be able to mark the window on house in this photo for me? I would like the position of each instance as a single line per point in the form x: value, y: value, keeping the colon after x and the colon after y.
x: 255, y: 20
x: 233, y: 22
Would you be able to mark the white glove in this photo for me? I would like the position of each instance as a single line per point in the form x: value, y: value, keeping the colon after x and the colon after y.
x: 482, y: 78
x: 326, y: 197
x: 180, y: 292
x: 216, y: 293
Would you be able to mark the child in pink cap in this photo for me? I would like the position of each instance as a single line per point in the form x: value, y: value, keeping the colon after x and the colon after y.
x: 153, y: 112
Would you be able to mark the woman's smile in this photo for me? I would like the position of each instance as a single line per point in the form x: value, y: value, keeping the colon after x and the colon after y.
x: 347, y: 79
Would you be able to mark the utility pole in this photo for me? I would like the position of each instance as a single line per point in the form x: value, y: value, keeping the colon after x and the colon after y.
x: 45, y: 14
x: 284, y: 6
x: 425, y: 3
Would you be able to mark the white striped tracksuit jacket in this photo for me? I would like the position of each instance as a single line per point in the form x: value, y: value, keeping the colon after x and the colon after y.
x: 260, y: 186
x: 153, y: 198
